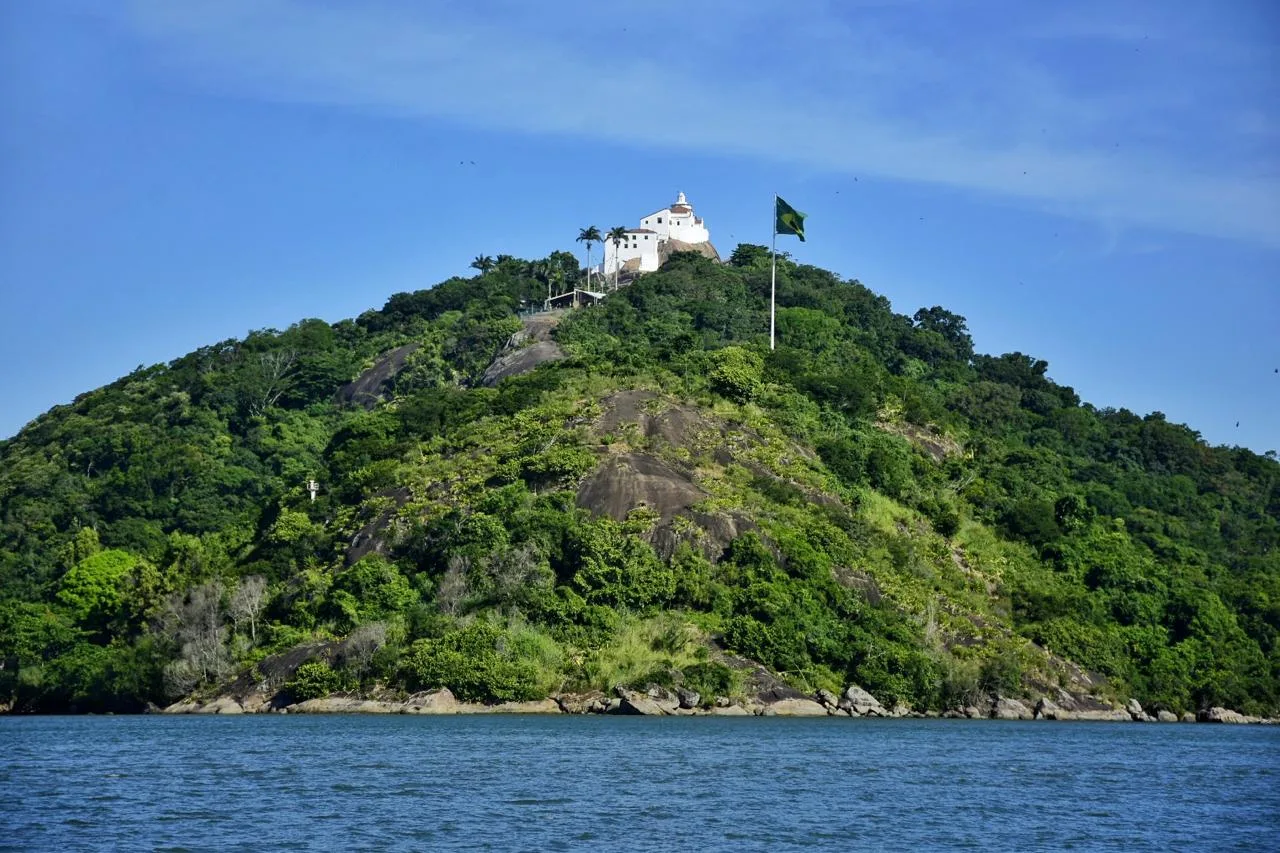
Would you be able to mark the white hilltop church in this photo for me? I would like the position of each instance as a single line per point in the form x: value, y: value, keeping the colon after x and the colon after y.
x: 672, y: 229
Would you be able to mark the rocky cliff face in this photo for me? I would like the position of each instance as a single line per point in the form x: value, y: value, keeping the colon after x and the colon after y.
x: 670, y: 247
x: 526, y: 349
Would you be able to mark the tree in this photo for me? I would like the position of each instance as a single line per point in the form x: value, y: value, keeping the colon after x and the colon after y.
x: 246, y: 603
x: 563, y: 263
x: 589, y: 235
x: 194, y: 623
x: 361, y: 645
x: 952, y: 328
x: 371, y: 589
x: 736, y: 372
x: 96, y: 588
x: 268, y: 379
x: 83, y: 544
x: 616, y: 235
x: 484, y: 263
x: 541, y: 270
x: 749, y: 255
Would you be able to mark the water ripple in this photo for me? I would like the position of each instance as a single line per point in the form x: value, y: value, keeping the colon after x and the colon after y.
x: 565, y: 783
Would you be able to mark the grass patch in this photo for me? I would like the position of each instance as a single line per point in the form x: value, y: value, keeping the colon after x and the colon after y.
x: 642, y: 651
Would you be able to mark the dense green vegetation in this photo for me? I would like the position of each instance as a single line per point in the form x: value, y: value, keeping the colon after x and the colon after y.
x: 907, y: 514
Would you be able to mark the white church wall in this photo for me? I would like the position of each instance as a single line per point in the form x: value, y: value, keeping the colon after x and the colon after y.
x: 642, y: 244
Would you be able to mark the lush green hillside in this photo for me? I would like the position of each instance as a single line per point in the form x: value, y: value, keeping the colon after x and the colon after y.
x: 873, y: 502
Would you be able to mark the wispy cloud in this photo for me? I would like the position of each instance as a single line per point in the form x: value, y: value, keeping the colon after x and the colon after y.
x: 863, y: 89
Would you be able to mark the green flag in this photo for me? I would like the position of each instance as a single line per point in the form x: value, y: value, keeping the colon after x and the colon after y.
x: 788, y: 220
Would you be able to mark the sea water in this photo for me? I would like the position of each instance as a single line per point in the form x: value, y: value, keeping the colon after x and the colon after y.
x: 268, y: 783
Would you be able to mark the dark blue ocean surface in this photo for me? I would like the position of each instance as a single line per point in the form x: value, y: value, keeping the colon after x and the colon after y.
x: 568, y: 783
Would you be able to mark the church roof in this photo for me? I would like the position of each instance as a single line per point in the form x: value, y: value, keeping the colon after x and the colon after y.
x: 680, y: 208
x: 641, y: 231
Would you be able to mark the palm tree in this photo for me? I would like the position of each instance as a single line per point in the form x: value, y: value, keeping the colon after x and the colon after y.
x: 484, y: 263
x: 556, y: 275
x: 589, y: 235
x: 616, y: 235
x: 541, y: 271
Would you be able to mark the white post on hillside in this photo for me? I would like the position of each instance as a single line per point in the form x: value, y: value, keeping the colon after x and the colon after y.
x: 773, y: 272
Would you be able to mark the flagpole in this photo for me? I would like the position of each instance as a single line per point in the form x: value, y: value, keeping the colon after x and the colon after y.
x: 773, y: 271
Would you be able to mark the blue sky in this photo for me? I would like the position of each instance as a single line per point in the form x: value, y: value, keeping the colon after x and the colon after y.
x: 1096, y: 184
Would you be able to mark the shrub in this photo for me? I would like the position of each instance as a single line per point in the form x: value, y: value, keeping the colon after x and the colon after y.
x: 313, y: 680
x: 777, y: 646
x: 476, y: 664
x: 1001, y: 674
x: 736, y: 373
x: 619, y: 569
x: 371, y: 589
x: 942, y: 514
x: 960, y: 685
x: 846, y: 459
x: 1032, y: 521
x: 889, y: 467
x: 711, y: 679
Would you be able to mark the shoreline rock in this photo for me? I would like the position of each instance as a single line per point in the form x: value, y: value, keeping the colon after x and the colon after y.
x: 1222, y: 715
x: 658, y: 702
x: 859, y: 703
x: 440, y: 701
x: 533, y: 706
x: 342, y: 705
x: 1010, y: 709
x: 794, y: 708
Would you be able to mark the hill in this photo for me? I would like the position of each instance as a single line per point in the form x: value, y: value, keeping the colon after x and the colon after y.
x: 632, y: 495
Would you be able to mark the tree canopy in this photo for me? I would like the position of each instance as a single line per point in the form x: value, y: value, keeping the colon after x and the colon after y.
x: 871, y: 502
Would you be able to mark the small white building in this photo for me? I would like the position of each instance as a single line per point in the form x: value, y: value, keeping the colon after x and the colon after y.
x: 640, y: 250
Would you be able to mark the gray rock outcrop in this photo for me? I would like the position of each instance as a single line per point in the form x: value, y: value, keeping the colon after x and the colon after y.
x: 440, y: 701
x: 629, y: 480
x: 1046, y: 709
x: 372, y: 386
x: 794, y: 708
x: 185, y: 706
x: 535, y: 706
x: 1221, y: 715
x: 1135, y: 711
x: 633, y: 703
x: 343, y: 705
x: 1066, y: 706
x: 860, y: 703
x: 1010, y: 709
x: 688, y: 698
x: 1113, y: 715
x: 582, y: 703
x: 667, y: 700
x: 526, y: 349
x: 221, y: 705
